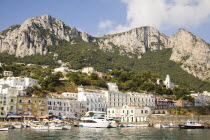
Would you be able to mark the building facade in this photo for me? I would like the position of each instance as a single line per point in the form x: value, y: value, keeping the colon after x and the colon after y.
x: 118, y: 99
x: 93, y: 101
x: 162, y: 103
x: 168, y: 82
x: 33, y: 106
x: 8, y: 99
x: 69, y: 95
x: 130, y: 113
x: 19, y: 82
x: 65, y: 107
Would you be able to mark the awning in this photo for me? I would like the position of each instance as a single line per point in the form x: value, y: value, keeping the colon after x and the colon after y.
x: 47, y: 116
x: 14, y: 117
x: 2, y: 116
x: 29, y: 117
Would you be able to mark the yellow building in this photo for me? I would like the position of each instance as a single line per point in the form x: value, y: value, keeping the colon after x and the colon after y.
x: 31, y: 106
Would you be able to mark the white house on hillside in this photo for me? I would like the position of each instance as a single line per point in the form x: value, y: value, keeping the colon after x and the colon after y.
x: 168, y: 82
x: 19, y: 82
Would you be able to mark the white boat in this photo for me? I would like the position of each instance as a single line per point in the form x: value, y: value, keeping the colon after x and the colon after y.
x: 4, y: 129
x: 191, y: 125
x: 54, y: 126
x: 157, y: 125
x: 40, y: 127
x: 94, y: 122
x: 137, y: 125
x: 165, y: 126
x: 113, y: 123
x: 66, y: 127
x: 18, y: 126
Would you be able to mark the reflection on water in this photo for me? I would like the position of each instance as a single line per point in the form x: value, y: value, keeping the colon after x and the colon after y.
x: 143, y: 133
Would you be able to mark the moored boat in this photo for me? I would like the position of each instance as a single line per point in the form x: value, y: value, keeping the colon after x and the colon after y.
x: 54, y: 126
x: 158, y: 125
x: 94, y: 122
x: 191, y: 125
x: 66, y: 127
x: 113, y: 123
x: 40, y: 127
x: 4, y: 128
x: 137, y: 125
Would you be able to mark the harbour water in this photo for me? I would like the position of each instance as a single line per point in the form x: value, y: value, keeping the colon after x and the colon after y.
x: 126, y: 133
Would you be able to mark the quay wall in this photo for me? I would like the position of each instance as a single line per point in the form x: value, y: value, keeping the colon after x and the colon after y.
x: 203, y: 119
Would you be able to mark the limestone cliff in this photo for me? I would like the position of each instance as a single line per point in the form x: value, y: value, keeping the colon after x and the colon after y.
x: 192, y: 52
x: 35, y: 34
x: 136, y: 41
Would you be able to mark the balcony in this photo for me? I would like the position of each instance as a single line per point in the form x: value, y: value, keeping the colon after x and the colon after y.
x: 24, y: 103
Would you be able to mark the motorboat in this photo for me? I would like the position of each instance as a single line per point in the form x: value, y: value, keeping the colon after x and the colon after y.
x: 191, y: 125
x: 40, y: 127
x: 96, y: 122
x: 137, y: 125
x: 113, y: 123
x: 165, y: 126
x: 17, y: 126
x: 54, y: 126
x: 4, y: 128
x: 66, y: 127
x: 158, y: 125
x: 169, y: 126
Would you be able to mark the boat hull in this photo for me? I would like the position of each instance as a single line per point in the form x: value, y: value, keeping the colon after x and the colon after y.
x: 190, y: 127
x: 4, y: 129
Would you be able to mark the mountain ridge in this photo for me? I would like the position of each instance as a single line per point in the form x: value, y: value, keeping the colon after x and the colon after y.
x: 32, y: 37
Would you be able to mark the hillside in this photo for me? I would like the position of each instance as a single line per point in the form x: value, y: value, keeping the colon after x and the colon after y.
x: 82, y: 54
x: 37, y: 33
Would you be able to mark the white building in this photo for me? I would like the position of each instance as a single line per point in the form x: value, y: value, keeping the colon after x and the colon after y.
x: 114, y: 98
x: 94, y: 101
x: 63, y: 70
x: 19, y: 82
x: 202, y: 99
x: 73, y: 96
x: 113, y: 87
x: 65, y: 107
x: 130, y: 113
x: 88, y: 70
x: 118, y: 99
x: 8, y: 73
x: 168, y: 82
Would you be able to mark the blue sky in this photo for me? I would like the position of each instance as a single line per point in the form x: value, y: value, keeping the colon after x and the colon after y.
x: 99, y: 17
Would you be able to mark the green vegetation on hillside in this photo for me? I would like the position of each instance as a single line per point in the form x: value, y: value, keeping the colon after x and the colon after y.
x: 83, y: 54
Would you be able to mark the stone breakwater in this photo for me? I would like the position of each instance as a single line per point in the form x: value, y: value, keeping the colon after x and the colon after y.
x: 203, y: 119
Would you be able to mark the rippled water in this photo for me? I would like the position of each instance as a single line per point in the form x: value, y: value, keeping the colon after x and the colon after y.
x: 126, y: 133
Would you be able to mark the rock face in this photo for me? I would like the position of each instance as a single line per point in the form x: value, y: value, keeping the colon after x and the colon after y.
x: 191, y: 51
x: 35, y: 34
x: 136, y: 41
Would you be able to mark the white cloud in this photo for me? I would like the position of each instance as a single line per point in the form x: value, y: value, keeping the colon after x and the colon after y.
x: 163, y: 14
x: 105, y: 24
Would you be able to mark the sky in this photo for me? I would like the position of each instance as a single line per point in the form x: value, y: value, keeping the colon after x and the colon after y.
x: 100, y: 17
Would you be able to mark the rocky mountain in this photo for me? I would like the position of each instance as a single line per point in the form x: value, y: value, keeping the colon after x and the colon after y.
x: 189, y: 50
x: 36, y: 33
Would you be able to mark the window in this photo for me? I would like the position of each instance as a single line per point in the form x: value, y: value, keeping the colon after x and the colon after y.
x: 12, y: 100
x: 112, y: 111
x: 11, y: 107
x: 131, y: 111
